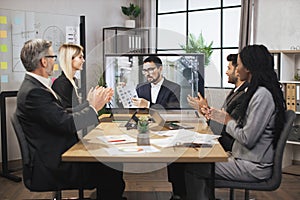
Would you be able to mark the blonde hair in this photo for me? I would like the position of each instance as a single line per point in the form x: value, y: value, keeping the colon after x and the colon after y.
x: 66, y: 53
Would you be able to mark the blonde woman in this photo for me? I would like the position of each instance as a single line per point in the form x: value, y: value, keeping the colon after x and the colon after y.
x: 71, y: 60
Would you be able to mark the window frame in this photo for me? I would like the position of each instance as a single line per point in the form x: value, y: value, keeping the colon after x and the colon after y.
x: 187, y: 11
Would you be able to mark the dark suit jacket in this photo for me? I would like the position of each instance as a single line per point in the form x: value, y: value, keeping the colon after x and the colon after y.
x: 233, y: 101
x: 232, y: 105
x: 168, y: 96
x: 64, y: 88
x: 50, y: 131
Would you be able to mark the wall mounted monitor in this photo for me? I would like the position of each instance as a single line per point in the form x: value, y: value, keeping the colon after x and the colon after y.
x: 123, y: 72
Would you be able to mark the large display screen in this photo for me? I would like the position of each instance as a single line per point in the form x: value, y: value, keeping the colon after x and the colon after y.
x: 124, y: 72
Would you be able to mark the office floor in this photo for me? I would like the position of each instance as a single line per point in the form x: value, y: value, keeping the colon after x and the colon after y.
x: 289, y: 190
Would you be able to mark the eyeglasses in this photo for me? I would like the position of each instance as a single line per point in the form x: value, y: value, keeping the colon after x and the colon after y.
x: 149, y: 70
x: 54, y: 57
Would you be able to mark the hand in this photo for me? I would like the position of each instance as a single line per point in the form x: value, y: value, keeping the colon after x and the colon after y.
x: 89, y: 97
x: 198, y: 103
x: 99, y: 96
x: 220, y: 116
x: 140, y: 102
x: 205, y: 111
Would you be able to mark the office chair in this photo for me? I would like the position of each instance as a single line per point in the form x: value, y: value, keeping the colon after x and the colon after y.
x: 275, y: 180
x: 26, y: 160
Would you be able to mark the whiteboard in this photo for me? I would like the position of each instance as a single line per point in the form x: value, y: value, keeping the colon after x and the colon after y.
x: 16, y: 27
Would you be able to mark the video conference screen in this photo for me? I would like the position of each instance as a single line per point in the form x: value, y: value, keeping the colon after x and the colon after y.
x: 124, y: 72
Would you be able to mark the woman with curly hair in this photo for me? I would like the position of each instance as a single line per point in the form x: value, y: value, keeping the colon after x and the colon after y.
x: 256, y: 131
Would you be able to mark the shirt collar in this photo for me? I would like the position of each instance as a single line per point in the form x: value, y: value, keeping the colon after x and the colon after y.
x: 158, y: 84
x: 236, y: 89
x: 45, y: 81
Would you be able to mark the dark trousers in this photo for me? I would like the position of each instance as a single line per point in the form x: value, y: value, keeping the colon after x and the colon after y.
x: 197, y: 177
x: 106, y: 177
x: 177, y: 178
x: 109, y: 181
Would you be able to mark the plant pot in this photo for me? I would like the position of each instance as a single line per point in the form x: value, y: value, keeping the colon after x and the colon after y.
x: 143, y: 139
x: 143, y: 133
x: 130, y: 23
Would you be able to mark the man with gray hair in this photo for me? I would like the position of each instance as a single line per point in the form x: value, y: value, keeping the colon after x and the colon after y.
x: 50, y: 130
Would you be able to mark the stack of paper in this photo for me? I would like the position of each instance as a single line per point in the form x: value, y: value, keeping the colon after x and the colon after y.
x: 131, y: 150
x: 117, y: 139
x: 178, y: 137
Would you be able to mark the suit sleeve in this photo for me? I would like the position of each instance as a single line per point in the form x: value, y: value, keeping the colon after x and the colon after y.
x: 235, y: 108
x: 43, y: 107
x: 259, y: 113
x: 174, y: 100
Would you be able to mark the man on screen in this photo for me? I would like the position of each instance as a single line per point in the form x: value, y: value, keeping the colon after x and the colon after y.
x: 157, y: 92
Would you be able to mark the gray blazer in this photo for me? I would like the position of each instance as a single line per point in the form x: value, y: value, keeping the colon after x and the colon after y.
x: 253, y: 141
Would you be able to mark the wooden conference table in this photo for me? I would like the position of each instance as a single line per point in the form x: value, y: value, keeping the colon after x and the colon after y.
x: 92, y: 149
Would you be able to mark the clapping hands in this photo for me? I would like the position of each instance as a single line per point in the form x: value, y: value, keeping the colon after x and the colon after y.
x: 99, y: 96
x: 198, y: 103
x: 220, y: 116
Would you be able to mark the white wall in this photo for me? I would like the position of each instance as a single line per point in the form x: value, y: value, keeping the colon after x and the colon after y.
x: 98, y: 14
x: 277, y: 23
x: 277, y: 27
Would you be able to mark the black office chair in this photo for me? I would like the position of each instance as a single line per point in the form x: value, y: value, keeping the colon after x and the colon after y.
x: 275, y: 180
x: 26, y: 160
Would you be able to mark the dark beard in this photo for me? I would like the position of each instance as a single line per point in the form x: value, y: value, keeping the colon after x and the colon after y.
x: 154, y: 80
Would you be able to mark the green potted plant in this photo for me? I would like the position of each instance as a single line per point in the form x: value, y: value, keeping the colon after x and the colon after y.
x: 143, y: 131
x: 143, y: 124
x: 132, y: 11
x: 198, y: 45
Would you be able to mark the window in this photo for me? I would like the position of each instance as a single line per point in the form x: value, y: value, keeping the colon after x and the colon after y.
x: 217, y: 20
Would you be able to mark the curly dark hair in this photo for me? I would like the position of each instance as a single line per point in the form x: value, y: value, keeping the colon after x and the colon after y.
x: 258, y: 60
x: 233, y: 59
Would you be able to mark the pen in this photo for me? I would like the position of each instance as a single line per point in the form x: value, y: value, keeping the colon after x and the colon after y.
x: 197, y: 114
x: 116, y: 140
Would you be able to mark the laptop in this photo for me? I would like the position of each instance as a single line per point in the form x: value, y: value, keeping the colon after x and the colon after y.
x: 173, y: 119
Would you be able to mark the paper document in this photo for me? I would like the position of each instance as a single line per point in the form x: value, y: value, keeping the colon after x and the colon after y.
x: 117, y: 139
x: 206, y: 139
x: 131, y: 150
x: 166, y: 133
x: 178, y: 137
x: 126, y: 94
